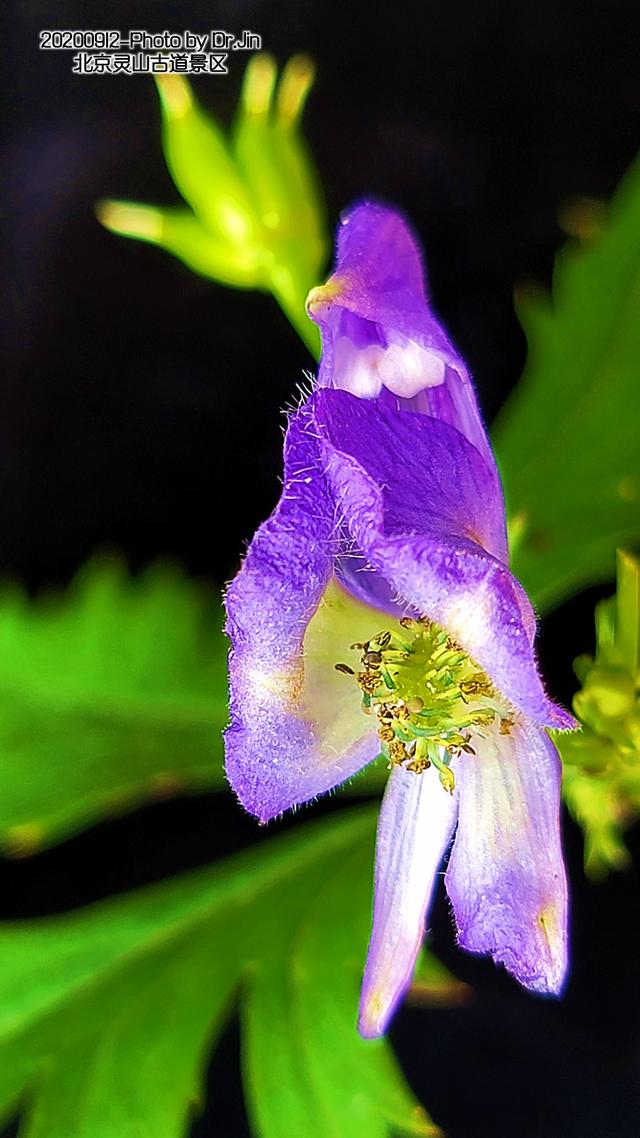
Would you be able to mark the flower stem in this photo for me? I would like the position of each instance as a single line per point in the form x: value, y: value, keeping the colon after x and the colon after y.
x: 291, y: 299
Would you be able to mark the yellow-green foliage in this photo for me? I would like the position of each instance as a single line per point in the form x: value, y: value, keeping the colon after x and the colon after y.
x: 602, y: 763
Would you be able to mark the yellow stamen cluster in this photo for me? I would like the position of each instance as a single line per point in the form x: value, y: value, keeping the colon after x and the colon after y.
x: 429, y: 697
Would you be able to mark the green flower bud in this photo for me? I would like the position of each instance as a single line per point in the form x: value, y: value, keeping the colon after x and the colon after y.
x: 255, y: 217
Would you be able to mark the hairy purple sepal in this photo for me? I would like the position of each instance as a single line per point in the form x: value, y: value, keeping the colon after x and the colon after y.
x: 381, y: 339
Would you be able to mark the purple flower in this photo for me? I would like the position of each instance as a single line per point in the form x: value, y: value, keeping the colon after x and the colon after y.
x: 375, y: 611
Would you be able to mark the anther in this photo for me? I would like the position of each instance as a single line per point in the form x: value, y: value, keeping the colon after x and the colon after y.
x: 386, y: 734
x: 447, y: 778
x: 419, y: 766
x: 397, y: 752
x: 368, y: 682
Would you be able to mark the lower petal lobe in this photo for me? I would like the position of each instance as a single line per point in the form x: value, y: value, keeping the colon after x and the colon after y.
x: 506, y: 876
x: 417, y: 818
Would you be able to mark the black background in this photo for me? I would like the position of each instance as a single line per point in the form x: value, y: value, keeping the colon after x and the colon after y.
x: 141, y: 408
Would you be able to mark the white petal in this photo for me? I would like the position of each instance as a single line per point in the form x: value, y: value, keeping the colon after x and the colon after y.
x: 506, y: 876
x: 356, y: 368
x: 406, y: 369
x: 417, y: 818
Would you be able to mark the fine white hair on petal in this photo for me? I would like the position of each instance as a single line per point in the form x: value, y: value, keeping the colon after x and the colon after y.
x: 417, y: 819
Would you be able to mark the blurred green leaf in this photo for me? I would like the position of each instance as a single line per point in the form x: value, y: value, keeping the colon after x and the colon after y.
x: 568, y: 438
x: 111, y: 694
x: 107, y: 1014
x: 322, y: 1078
x: 256, y: 216
x: 601, y: 764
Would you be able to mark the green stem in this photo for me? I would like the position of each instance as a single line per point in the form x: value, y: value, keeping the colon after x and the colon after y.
x: 291, y: 299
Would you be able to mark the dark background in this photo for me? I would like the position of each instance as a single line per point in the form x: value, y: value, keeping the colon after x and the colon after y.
x: 140, y: 407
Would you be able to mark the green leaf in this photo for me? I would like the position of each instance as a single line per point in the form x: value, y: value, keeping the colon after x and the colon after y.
x: 337, y: 1084
x: 109, y: 695
x: 107, y: 1015
x: 359, y: 1083
x: 628, y: 611
x: 568, y: 438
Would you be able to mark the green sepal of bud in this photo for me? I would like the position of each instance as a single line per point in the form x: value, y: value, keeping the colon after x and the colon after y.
x: 256, y: 217
x: 601, y: 779
x: 201, y: 165
x: 179, y: 231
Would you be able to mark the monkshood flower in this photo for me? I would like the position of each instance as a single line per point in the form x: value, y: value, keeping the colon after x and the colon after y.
x: 375, y: 611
